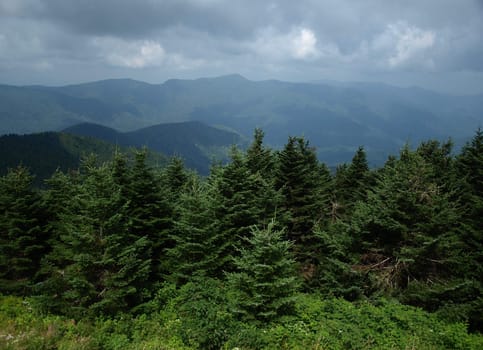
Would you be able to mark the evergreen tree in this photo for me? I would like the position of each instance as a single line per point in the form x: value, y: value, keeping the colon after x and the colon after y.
x: 259, y: 158
x: 23, y: 239
x: 406, y: 231
x: 150, y: 212
x: 265, y: 283
x: 351, y: 184
x: 438, y: 155
x: 176, y: 177
x: 334, y: 275
x: 305, y: 186
x: 97, y: 266
x: 199, y: 245
x: 244, y: 199
x: 469, y: 170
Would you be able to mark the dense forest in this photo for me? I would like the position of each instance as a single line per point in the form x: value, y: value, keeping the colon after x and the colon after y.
x: 271, y: 250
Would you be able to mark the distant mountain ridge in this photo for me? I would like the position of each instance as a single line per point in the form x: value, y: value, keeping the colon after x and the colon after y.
x: 335, y: 118
x: 197, y: 143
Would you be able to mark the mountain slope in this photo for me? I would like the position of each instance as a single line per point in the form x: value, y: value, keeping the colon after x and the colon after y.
x: 43, y: 153
x: 335, y: 118
x: 198, y: 144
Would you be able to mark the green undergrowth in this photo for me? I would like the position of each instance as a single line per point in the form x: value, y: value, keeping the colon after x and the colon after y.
x: 206, y: 322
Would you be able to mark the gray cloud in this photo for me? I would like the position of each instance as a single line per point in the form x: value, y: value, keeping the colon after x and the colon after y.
x: 420, y: 42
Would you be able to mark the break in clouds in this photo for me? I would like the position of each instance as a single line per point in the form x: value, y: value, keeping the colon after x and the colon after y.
x: 433, y: 43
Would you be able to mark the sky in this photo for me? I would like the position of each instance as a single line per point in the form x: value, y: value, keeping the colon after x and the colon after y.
x: 435, y: 44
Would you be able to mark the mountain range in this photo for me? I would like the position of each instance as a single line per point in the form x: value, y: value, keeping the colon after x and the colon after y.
x: 336, y: 118
x: 197, y: 143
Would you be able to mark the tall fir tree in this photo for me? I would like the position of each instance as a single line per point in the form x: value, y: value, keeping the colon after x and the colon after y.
x: 96, y: 266
x: 150, y: 211
x: 176, y: 177
x: 260, y: 158
x: 351, y: 184
x: 199, y: 244
x: 23, y: 237
x: 305, y: 186
x: 407, y: 231
x: 469, y: 170
x: 244, y: 199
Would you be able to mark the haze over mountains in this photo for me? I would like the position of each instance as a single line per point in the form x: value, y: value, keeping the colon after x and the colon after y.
x: 336, y: 118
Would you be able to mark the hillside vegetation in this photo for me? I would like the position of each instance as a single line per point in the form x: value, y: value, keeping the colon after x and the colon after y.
x: 44, y: 153
x: 269, y: 251
x: 196, y: 143
x: 337, y: 118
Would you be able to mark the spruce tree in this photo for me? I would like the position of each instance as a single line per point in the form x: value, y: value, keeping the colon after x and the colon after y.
x: 265, y: 283
x: 260, y: 158
x: 198, y: 243
x: 406, y: 231
x: 23, y: 238
x: 176, y: 177
x: 351, y: 183
x: 305, y: 186
x: 150, y: 212
x: 469, y: 170
x: 244, y: 199
x: 96, y: 266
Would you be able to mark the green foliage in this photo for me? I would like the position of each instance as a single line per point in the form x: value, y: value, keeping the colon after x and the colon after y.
x: 149, y: 211
x: 96, y: 266
x: 22, y: 232
x: 134, y: 257
x: 338, y: 324
x: 243, y: 199
x: 198, y: 244
x: 202, y: 306
x: 305, y: 186
x: 351, y: 183
x: 334, y: 275
x: 265, y: 282
x: 202, y: 322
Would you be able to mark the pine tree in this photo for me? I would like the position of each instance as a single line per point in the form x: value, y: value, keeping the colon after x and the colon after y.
x: 23, y: 238
x: 265, y: 283
x: 334, y: 275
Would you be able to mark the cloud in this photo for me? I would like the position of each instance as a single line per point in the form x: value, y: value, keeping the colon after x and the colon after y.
x: 130, y: 54
x: 141, y: 54
x: 299, y: 44
x: 406, y: 45
x: 288, y: 40
x: 304, y: 44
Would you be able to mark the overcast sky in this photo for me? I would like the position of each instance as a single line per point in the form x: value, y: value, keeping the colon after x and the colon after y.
x: 436, y: 44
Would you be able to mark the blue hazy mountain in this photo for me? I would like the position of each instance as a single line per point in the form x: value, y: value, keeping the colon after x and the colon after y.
x: 196, y: 143
x: 336, y: 118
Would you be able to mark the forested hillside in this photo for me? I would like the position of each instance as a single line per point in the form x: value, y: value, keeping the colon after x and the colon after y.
x: 196, y: 143
x: 337, y: 118
x: 269, y: 251
x: 44, y: 153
